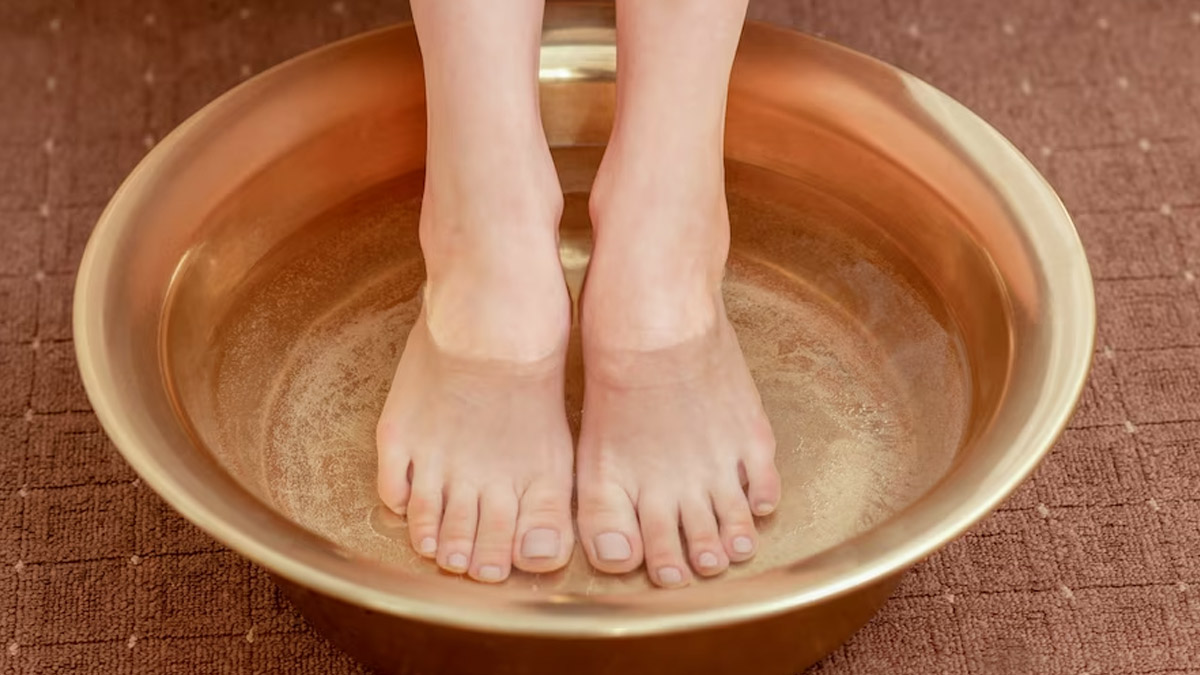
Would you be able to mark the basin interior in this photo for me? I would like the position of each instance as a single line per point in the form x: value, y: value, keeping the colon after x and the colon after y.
x: 860, y: 362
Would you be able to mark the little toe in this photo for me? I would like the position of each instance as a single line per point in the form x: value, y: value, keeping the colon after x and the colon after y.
x: 456, y: 539
x: 736, y: 523
x: 665, y: 562
x: 608, y: 526
x: 425, y: 517
x: 394, y: 467
x: 392, y: 482
x: 492, y: 558
x: 544, y: 536
x: 763, y: 489
x: 704, y: 546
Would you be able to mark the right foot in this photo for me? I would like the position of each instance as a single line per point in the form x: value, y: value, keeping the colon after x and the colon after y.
x: 473, y: 441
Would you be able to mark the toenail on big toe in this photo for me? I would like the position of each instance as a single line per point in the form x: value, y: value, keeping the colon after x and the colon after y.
x: 457, y: 561
x: 669, y: 576
x: 613, y: 547
x: 541, y: 542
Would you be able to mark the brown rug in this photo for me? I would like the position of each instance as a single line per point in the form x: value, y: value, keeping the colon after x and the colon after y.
x: 1093, y: 567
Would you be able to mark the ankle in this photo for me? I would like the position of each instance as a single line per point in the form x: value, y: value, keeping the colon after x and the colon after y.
x: 504, y: 219
x: 467, y: 208
x: 502, y: 236
x: 500, y: 303
x: 672, y: 221
x: 650, y: 285
x: 668, y: 172
x: 495, y: 287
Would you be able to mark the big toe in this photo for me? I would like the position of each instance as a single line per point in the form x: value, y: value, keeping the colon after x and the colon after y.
x: 608, y: 526
x: 544, y: 537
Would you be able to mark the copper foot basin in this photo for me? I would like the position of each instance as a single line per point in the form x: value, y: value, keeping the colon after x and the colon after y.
x: 911, y: 295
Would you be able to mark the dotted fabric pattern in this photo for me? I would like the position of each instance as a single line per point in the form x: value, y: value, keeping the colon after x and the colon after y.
x: 1093, y: 566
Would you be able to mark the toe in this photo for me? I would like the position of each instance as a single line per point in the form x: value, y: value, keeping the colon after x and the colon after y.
x: 608, y: 526
x: 664, y: 549
x: 393, y: 476
x: 704, y: 546
x: 545, y: 537
x: 736, y: 522
x: 456, y: 539
x: 763, y: 487
x: 492, y: 557
x: 425, y: 516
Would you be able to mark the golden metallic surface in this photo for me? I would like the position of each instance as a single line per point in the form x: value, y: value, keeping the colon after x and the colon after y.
x: 912, y: 297
x: 857, y: 362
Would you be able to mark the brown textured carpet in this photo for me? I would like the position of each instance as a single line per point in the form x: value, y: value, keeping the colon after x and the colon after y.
x: 1093, y: 567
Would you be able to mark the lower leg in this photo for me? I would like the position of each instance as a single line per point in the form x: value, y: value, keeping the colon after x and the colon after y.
x: 672, y: 421
x: 473, y: 441
x: 491, y: 191
x: 666, y: 152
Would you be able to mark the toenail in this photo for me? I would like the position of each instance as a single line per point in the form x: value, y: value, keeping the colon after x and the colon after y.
x: 428, y: 546
x: 457, y: 561
x: 669, y: 576
x: 743, y: 544
x: 540, y: 542
x: 764, y: 508
x: 708, y: 559
x: 613, y: 547
x: 490, y: 573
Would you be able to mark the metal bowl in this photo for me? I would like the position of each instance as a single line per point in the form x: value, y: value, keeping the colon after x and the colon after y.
x: 912, y: 297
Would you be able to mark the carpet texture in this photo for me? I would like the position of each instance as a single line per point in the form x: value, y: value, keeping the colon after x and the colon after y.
x: 1092, y: 567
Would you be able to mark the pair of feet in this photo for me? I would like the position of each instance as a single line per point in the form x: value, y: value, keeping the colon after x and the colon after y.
x: 675, y: 454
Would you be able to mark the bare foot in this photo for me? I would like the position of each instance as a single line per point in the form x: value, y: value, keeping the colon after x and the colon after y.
x: 674, y: 436
x: 473, y: 440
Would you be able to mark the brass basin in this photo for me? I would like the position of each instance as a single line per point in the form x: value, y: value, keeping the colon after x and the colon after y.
x: 912, y: 297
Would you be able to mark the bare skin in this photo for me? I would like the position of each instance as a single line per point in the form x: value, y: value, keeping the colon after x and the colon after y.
x: 676, y: 455
x: 674, y: 436
x: 473, y: 441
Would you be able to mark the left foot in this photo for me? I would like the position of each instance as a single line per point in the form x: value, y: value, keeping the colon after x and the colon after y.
x: 674, y: 435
